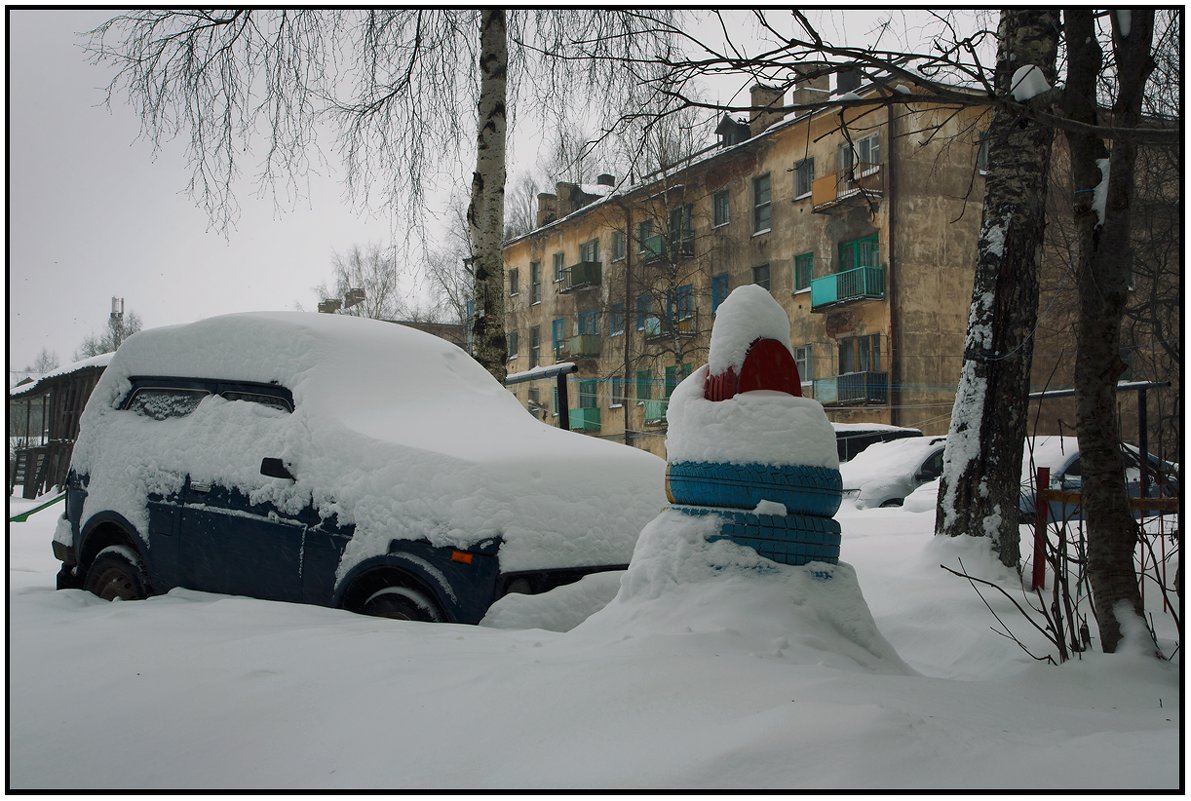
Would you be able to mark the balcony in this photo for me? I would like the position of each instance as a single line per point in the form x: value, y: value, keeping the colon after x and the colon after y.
x: 860, y: 283
x: 667, y: 328
x: 655, y: 411
x: 653, y: 247
x: 582, y: 345
x: 584, y: 275
x: 837, y: 189
x: 585, y: 419
x: 852, y: 389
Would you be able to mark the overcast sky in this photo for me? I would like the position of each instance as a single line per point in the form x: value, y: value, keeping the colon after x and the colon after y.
x: 94, y: 214
x: 91, y: 214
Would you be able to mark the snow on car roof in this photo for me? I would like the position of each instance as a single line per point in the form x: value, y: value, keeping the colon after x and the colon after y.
x: 1053, y: 452
x: 883, y: 459
x: 393, y: 429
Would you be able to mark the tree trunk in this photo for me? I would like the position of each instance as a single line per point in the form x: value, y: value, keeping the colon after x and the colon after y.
x: 485, y: 214
x: 1103, y: 266
x: 979, y: 488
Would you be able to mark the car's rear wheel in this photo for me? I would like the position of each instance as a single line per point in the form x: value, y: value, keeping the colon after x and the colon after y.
x: 401, y: 603
x: 892, y: 502
x: 117, y: 574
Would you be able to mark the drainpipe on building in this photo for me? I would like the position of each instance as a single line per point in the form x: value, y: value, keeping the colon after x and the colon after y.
x: 628, y: 272
x: 890, y: 284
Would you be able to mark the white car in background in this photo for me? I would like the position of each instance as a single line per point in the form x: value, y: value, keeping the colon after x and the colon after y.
x: 884, y: 473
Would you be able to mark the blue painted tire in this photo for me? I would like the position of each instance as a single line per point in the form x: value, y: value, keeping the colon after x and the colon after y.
x: 803, y: 489
x: 789, y: 539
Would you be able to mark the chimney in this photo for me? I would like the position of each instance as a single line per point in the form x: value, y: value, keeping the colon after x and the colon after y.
x: 764, y: 99
x: 547, y: 208
x: 814, y: 83
x: 847, y: 80
x: 605, y: 179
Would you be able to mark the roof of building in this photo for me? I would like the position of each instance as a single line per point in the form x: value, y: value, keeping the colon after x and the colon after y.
x: 33, y: 387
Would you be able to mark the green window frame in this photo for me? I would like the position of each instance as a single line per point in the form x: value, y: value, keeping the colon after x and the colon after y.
x: 862, y: 252
x: 762, y: 204
x: 804, y: 271
x: 644, y: 385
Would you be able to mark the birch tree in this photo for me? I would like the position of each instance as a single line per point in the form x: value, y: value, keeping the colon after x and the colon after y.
x: 396, y: 85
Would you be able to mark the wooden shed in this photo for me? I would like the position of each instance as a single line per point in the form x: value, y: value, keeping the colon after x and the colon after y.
x: 46, y: 413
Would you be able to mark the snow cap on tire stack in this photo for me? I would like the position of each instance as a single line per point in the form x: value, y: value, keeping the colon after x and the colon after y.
x: 743, y: 444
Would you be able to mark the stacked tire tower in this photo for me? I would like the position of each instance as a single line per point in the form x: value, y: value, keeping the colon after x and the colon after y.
x: 735, y: 492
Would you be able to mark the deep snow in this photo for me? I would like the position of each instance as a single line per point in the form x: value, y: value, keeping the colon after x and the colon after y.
x: 709, y: 669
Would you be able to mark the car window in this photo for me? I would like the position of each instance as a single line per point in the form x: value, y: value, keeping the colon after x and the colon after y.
x: 933, y: 466
x: 161, y: 403
x: 271, y: 401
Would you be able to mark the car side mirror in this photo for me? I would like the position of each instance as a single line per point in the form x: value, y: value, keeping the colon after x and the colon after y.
x: 275, y: 468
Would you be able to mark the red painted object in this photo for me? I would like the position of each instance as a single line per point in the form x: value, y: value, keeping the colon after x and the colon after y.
x: 767, y: 365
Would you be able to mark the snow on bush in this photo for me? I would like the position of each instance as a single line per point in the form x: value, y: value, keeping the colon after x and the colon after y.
x: 394, y: 430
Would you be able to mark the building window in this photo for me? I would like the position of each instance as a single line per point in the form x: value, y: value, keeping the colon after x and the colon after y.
x: 646, y: 320
x: 868, y: 152
x: 554, y: 410
x: 761, y: 275
x: 514, y: 282
x: 802, y: 358
x: 618, y: 245
x: 616, y: 396
x: 804, y: 271
x: 682, y: 302
x: 535, y: 347
x: 804, y: 176
x: 644, y: 233
x: 558, y: 333
x: 682, y: 231
x: 719, y: 290
x: 719, y: 208
x: 616, y: 320
x: 672, y: 377
x: 762, y: 211
x: 589, y: 321
x: 860, y: 354
x: 587, y: 394
x: 982, y: 154
x: 644, y: 385
x: 534, y: 402
x: 535, y: 282
x: 590, y: 251
x: 559, y: 267
x: 863, y: 252
x: 512, y: 336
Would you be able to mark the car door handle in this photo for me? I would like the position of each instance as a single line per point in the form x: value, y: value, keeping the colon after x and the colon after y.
x: 204, y: 488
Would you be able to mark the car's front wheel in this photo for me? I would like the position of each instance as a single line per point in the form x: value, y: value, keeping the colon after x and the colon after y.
x: 117, y: 574
x: 401, y: 603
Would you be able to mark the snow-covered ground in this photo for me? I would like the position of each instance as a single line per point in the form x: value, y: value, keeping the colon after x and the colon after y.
x: 707, y: 670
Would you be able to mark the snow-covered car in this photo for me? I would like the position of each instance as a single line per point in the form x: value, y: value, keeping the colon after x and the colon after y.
x: 884, y: 473
x: 1061, y: 456
x: 336, y: 461
x: 852, y: 438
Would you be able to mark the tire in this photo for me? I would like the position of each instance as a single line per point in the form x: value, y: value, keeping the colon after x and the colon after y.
x: 802, y: 489
x: 893, y: 502
x: 117, y: 573
x: 401, y: 603
x: 789, y: 539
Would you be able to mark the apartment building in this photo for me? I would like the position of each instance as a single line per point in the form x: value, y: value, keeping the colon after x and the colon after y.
x: 863, y: 232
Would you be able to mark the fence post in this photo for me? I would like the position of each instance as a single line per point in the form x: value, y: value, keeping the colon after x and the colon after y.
x: 1041, y: 507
